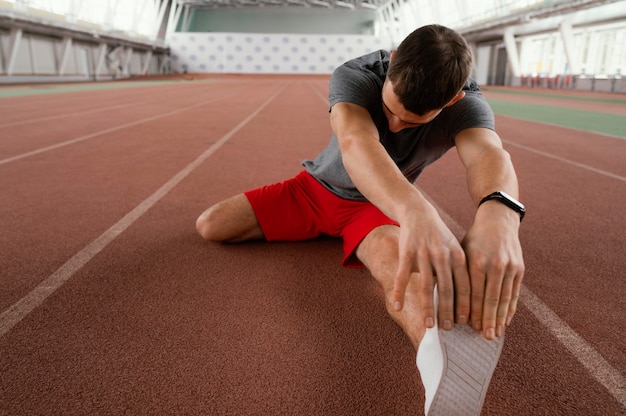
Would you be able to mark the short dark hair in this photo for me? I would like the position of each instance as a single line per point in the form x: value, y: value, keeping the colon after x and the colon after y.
x: 429, y: 68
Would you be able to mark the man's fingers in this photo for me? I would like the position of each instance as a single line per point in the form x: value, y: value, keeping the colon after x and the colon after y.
x: 445, y: 288
x: 401, y: 282
x: 512, y: 308
x: 478, y: 278
x: 491, y: 301
x: 462, y: 292
x: 426, y: 286
x: 506, y: 296
x: 445, y: 313
x: 517, y: 287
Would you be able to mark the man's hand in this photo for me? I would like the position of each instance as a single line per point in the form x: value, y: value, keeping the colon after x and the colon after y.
x: 496, y: 267
x: 492, y: 246
x: 430, y: 252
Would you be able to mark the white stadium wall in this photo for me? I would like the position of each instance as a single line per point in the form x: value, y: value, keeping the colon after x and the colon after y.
x: 249, y: 53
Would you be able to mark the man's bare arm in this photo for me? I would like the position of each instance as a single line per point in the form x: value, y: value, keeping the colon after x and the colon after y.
x: 492, y: 244
x: 426, y: 245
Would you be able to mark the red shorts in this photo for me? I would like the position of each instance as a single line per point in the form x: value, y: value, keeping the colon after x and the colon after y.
x: 301, y: 208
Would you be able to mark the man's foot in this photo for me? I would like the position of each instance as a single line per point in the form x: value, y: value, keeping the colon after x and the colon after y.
x: 456, y: 367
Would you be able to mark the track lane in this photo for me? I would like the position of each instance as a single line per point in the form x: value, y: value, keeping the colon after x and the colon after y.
x: 32, y: 135
x: 154, y: 293
x: 35, y: 298
x: 63, y: 198
x: 164, y: 330
x: 596, y: 104
x: 20, y: 108
x: 594, y: 150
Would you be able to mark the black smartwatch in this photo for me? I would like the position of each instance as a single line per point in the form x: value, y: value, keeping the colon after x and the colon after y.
x: 507, y: 200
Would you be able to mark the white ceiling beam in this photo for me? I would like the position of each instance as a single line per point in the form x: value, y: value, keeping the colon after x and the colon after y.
x: 99, y: 59
x: 367, y: 5
x: 567, y: 36
x: 15, y: 39
x: 161, y: 8
x: 344, y: 4
x: 511, y: 51
x: 66, y: 48
x: 321, y: 3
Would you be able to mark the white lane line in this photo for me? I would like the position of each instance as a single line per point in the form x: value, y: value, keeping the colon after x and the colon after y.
x: 599, y: 368
x: 78, y: 113
x: 569, y: 162
x: 94, y: 110
x: 112, y: 129
x: 318, y: 93
x: 13, y: 315
x: 596, y: 365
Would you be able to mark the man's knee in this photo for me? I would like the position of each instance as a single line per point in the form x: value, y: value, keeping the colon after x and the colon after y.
x: 379, y: 249
x: 232, y: 220
x: 208, y: 222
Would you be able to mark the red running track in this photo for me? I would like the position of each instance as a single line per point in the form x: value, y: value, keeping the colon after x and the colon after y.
x: 111, y: 304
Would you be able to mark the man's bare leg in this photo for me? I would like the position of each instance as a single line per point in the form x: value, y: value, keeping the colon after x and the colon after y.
x: 379, y: 253
x: 232, y: 221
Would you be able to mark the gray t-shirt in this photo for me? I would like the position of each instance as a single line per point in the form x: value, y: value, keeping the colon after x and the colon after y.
x: 360, y: 81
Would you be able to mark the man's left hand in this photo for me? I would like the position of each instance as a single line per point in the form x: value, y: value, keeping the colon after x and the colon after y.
x: 496, y: 268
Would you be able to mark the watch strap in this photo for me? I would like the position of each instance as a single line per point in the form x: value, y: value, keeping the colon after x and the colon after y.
x: 507, y: 200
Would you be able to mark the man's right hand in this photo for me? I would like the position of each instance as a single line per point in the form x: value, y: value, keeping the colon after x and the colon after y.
x: 430, y: 252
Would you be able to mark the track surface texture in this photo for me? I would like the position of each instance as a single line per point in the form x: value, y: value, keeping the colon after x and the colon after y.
x: 110, y: 303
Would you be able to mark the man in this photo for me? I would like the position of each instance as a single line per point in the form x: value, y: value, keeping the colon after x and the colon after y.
x: 392, y: 114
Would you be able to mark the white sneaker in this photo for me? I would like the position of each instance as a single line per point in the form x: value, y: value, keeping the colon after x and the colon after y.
x: 456, y: 367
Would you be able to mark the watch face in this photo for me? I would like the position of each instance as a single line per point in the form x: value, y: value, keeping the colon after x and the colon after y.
x: 513, y: 200
x: 507, y: 200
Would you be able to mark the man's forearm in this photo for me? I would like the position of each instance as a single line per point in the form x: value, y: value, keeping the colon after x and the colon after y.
x: 378, y: 178
x: 493, y: 171
x: 489, y: 169
x: 369, y: 166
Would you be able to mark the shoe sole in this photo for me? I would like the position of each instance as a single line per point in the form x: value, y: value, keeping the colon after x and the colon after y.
x: 468, y: 364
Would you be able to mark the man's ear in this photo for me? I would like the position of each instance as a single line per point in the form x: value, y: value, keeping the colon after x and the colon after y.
x: 393, y: 52
x: 456, y: 98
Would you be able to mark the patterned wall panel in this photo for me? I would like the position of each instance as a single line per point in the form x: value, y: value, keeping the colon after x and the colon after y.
x: 266, y: 53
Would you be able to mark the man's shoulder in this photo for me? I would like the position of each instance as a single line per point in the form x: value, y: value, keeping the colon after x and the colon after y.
x: 360, y: 80
x: 374, y: 63
x: 471, y: 86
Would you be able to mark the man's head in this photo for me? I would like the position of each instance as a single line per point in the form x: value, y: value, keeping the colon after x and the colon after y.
x: 429, y: 68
